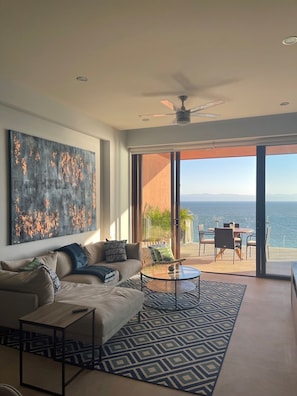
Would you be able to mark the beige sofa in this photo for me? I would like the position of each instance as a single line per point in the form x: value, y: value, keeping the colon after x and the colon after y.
x: 24, y: 291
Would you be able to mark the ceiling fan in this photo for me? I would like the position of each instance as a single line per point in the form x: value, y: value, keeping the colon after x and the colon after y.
x: 183, y: 116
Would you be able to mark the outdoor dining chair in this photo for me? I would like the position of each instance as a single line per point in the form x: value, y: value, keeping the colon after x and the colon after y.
x: 237, y: 235
x: 251, y: 242
x: 205, y: 237
x: 224, y: 239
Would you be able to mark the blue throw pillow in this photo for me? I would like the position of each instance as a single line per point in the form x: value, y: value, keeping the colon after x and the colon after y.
x: 77, y: 255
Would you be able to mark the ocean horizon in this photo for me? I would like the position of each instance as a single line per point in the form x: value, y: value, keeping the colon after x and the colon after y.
x: 281, y: 216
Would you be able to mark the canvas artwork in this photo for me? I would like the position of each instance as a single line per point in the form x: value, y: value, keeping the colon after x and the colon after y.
x: 52, y: 189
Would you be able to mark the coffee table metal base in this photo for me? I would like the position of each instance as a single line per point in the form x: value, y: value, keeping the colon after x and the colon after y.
x: 172, y: 295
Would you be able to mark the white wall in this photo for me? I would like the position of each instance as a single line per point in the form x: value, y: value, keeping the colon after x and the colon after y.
x: 25, y: 111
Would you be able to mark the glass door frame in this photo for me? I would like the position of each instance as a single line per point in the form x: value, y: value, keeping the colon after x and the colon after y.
x: 136, y: 199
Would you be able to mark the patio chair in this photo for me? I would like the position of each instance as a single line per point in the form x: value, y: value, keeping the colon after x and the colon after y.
x: 251, y: 242
x: 237, y: 235
x: 224, y: 239
x: 205, y: 237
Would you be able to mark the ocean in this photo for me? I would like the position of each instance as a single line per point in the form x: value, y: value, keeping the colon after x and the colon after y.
x: 280, y: 216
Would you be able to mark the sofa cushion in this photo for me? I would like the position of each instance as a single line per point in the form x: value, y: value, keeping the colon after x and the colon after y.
x: 36, y: 282
x: 134, y: 251
x: 114, y: 307
x: 95, y: 252
x: 77, y: 255
x: 49, y: 259
x: 64, y: 264
x: 115, y: 251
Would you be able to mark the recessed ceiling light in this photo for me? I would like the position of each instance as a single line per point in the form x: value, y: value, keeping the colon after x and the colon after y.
x: 82, y: 78
x: 290, y: 40
x: 284, y: 103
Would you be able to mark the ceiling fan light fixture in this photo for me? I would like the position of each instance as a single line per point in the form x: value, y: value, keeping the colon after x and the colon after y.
x: 183, y: 117
x: 291, y: 40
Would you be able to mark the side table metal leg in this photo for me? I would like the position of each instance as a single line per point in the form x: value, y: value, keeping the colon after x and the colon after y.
x: 63, y: 363
x: 93, y: 340
x: 175, y: 294
x: 21, y: 353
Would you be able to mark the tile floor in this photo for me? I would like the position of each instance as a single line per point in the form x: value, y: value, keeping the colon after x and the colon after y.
x: 261, y: 359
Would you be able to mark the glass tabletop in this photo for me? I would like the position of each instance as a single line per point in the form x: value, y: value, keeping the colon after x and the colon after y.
x: 162, y: 272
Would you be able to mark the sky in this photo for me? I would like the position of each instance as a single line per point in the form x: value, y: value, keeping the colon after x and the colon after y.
x: 238, y: 175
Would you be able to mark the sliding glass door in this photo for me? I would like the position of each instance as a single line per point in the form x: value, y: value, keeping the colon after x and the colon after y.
x: 159, y: 214
x: 280, y: 242
x: 156, y: 199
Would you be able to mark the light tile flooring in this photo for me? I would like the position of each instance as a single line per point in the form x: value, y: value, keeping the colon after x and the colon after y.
x: 261, y: 359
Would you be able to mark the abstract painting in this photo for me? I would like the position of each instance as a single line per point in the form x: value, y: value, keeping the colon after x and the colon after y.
x: 52, y: 189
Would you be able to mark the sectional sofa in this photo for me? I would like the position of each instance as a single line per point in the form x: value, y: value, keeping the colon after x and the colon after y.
x: 69, y: 275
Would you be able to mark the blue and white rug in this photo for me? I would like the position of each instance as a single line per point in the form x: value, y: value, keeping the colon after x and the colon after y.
x: 182, y: 350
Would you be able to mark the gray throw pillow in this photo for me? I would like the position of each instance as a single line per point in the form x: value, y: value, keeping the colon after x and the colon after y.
x: 115, y: 251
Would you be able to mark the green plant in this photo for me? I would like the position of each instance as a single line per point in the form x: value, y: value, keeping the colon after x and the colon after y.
x: 157, y: 223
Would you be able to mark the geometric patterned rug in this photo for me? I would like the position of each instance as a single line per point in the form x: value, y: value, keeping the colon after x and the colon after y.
x: 181, y: 350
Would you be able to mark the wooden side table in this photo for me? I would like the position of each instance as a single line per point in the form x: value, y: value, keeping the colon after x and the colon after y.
x: 57, y: 317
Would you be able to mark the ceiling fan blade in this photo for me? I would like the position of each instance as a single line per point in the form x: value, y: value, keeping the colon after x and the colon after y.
x: 206, y: 106
x: 204, y: 115
x: 156, y: 115
x: 169, y: 104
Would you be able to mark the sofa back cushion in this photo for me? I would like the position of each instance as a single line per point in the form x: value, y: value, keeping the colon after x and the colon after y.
x: 134, y: 251
x: 77, y: 255
x: 49, y: 259
x: 95, y: 252
x: 64, y: 264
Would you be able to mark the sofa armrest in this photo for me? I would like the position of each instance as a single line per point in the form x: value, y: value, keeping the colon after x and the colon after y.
x: 37, y: 282
x: 17, y: 304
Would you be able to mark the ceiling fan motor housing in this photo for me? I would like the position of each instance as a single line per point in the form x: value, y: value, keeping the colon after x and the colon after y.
x: 183, y: 117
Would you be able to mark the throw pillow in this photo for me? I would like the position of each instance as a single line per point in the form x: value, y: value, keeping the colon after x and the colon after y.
x: 34, y: 264
x: 115, y: 251
x: 156, y: 256
x: 77, y: 255
x: 166, y: 253
x: 31, y: 266
x: 161, y: 253
x: 54, y: 277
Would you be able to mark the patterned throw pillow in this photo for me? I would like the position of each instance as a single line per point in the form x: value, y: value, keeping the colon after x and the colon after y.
x: 115, y: 251
x: 166, y: 253
x: 162, y: 253
x: 34, y: 264
x: 54, y: 278
x: 31, y: 266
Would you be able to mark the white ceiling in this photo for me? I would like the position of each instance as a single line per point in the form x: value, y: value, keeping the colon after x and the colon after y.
x: 136, y: 53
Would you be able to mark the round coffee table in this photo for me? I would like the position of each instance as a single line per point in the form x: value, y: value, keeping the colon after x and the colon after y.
x: 171, y: 290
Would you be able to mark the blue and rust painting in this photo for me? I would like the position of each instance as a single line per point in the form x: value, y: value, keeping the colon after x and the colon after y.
x: 52, y: 189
